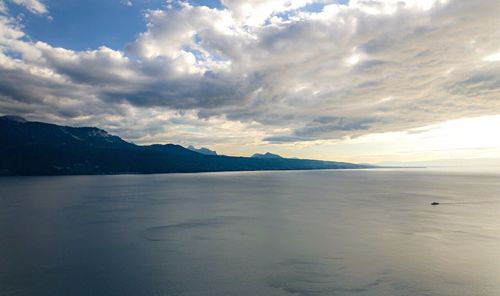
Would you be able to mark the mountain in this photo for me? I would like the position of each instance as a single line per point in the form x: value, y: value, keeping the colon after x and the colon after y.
x: 202, y: 150
x: 266, y: 155
x: 37, y: 148
x: 13, y: 118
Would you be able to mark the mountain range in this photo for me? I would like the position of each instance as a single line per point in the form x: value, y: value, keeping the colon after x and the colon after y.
x: 267, y: 155
x: 37, y: 148
x: 202, y: 150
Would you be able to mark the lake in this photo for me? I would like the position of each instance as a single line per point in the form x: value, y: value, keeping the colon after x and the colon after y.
x: 345, y: 232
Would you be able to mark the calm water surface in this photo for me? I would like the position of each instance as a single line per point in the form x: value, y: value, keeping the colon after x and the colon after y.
x: 254, y: 233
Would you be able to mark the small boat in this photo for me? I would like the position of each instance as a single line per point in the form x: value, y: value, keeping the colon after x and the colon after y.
x: 434, y: 203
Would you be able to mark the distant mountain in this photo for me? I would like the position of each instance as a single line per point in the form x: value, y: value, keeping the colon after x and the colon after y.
x: 37, y: 148
x: 266, y: 155
x: 202, y: 150
x: 13, y: 118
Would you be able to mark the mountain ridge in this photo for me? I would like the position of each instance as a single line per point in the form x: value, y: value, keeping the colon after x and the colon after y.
x: 38, y: 148
x: 267, y: 155
x: 202, y: 150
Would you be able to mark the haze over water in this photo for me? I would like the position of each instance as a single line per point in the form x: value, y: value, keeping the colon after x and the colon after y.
x: 370, y: 232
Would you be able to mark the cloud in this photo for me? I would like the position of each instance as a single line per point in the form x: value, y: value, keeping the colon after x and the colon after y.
x: 3, y: 7
x: 257, y: 12
x: 275, y: 71
x: 35, y: 6
x: 127, y: 3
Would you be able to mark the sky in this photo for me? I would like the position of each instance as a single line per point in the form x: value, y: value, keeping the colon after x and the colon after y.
x: 364, y: 81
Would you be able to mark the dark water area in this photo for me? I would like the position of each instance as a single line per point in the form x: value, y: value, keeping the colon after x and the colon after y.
x: 369, y: 232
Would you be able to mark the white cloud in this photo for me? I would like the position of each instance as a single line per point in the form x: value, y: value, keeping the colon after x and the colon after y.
x: 284, y: 73
x: 35, y: 6
x: 3, y: 7
x: 493, y: 58
x: 255, y: 13
x: 127, y: 3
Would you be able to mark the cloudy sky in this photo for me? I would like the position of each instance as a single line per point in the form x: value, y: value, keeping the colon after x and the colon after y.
x: 352, y: 80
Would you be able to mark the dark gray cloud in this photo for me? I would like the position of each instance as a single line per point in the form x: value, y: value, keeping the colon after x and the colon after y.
x: 326, y: 127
